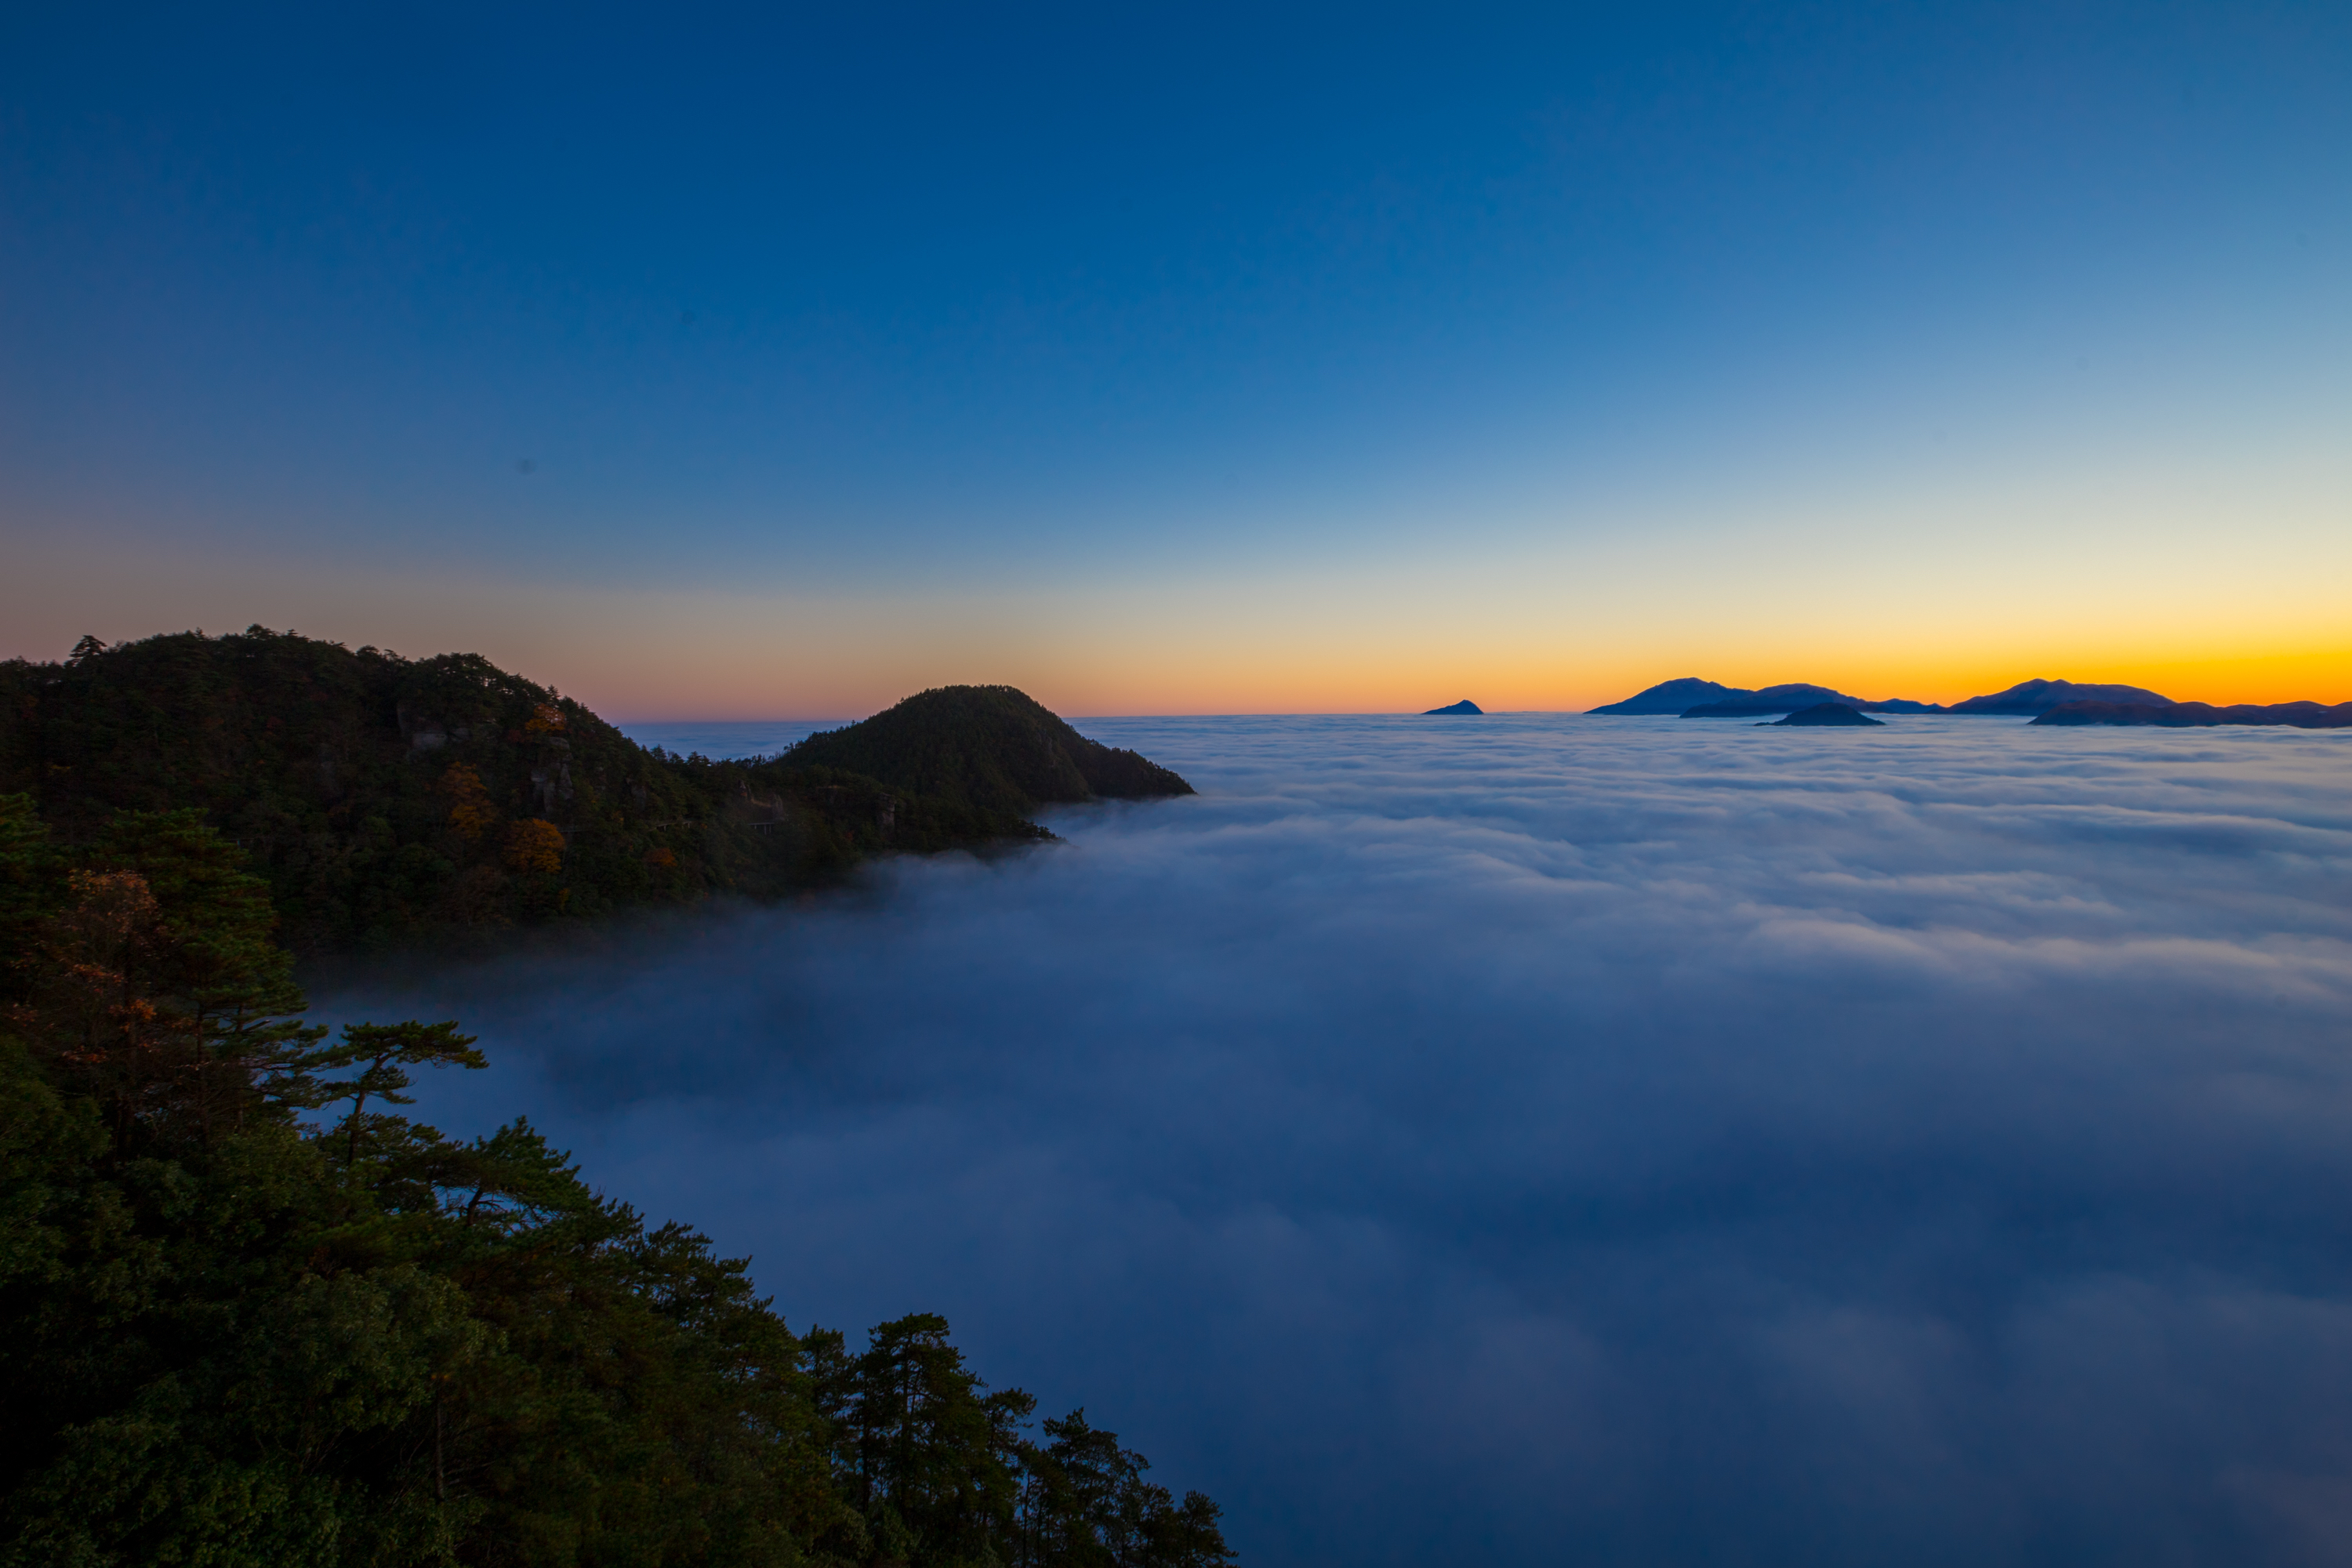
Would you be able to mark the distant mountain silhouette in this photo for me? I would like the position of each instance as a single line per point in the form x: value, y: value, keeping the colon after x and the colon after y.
x: 2042, y: 695
x: 1670, y: 697
x: 1464, y: 706
x: 1692, y: 698
x: 2198, y: 715
x: 1830, y: 713
x: 992, y: 747
x: 1783, y: 699
x: 1797, y: 695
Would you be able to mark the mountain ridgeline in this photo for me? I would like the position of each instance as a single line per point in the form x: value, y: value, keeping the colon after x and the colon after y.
x: 391, y: 802
x: 251, y: 1316
x: 2050, y: 702
x: 1691, y: 698
x: 989, y: 748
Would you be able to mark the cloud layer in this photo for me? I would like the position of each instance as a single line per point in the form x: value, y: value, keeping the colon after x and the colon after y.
x: 1540, y: 1139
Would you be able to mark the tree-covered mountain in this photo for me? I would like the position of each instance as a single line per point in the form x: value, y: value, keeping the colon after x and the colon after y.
x: 990, y: 747
x: 251, y: 1316
x: 390, y: 801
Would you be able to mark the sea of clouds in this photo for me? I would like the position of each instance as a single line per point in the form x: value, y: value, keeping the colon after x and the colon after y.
x: 1543, y: 1139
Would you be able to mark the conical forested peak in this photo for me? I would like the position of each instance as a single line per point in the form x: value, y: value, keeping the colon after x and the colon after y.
x: 995, y: 747
x: 390, y: 801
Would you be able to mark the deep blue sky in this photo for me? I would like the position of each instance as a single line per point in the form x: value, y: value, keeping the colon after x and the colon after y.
x: 945, y: 310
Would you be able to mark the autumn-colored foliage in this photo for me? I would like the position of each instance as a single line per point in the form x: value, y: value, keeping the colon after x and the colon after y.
x: 150, y: 982
x: 372, y: 793
x: 535, y: 845
x: 98, y: 954
x: 470, y: 811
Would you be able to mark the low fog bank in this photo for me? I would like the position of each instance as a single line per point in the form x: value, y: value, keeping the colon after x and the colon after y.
x: 1543, y: 1139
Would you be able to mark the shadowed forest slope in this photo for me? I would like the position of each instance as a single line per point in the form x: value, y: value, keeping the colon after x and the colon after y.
x: 988, y: 746
x: 391, y: 802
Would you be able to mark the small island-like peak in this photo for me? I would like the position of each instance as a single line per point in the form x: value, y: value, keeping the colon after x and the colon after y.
x: 1464, y: 706
x: 993, y: 747
x: 1836, y: 713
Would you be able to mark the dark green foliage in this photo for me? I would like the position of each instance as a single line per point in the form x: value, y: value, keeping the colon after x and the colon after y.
x: 387, y: 801
x: 1085, y: 1502
x: 28, y: 872
x: 382, y: 1053
x: 153, y: 988
x: 989, y: 746
x: 230, y: 1338
x: 929, y: 1453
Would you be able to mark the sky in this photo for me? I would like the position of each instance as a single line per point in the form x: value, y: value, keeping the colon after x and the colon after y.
x: 714, y: 362
x: 1546, y: 1139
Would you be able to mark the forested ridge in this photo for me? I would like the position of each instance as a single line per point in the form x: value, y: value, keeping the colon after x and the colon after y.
x: 252, y: 1315
x: 391, y: 802
x: 990, y: 747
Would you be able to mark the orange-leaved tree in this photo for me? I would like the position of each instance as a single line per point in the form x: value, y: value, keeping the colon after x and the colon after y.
x: 535, y: 845
x: 153, y: 986
x: 470, y: 811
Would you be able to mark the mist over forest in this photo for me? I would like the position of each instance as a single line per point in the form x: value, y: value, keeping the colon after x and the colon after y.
x: 1615, y: 1141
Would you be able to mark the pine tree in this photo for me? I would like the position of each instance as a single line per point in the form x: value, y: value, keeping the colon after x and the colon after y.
x: 234, y: 1331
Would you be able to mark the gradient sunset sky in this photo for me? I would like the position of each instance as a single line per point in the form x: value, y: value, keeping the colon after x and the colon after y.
x: 714, y: 363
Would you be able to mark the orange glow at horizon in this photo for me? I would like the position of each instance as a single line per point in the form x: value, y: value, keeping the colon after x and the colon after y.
x: 1548, y: 633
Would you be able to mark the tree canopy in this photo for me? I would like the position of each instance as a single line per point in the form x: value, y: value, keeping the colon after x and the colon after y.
x: 993, y: 747
x: 389, y: 801
x: 249, y: 1314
